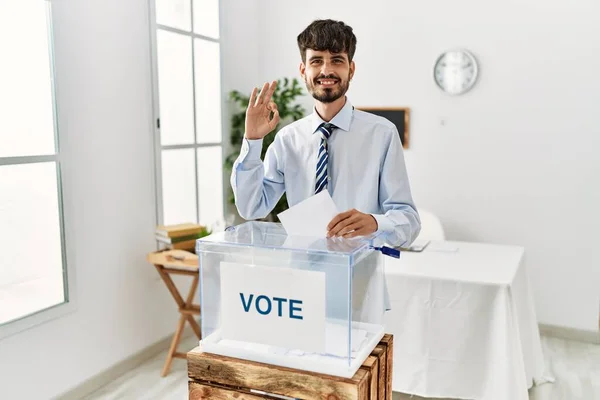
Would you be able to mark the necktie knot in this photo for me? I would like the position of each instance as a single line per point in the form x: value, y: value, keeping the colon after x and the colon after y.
x: 326, y: 129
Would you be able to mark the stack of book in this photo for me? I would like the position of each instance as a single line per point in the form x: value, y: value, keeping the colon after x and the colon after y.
x: 180, y: 236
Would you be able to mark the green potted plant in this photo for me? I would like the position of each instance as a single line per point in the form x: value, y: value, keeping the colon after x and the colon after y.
x: 285, y: 97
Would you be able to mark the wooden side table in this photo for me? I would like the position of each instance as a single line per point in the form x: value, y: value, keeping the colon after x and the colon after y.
x: 178, y: 262
x: 219, y: 377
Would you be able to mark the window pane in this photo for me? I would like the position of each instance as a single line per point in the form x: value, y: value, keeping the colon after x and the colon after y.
x: 210, y: 185
x: 175, y: 87
x: 178, y: 186
x: 174, y: 13
x: 25, y: 80
x: 31, y: 273
x: 208, y: 91
x: 206, y: 18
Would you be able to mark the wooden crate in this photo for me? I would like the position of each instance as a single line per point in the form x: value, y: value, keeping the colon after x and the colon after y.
x: 219, y: 377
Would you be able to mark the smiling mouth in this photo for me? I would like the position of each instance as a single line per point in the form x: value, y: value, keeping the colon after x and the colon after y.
x: 327, y: 82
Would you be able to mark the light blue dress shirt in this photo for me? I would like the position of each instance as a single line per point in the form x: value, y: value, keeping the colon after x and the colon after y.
x: 366, y: 171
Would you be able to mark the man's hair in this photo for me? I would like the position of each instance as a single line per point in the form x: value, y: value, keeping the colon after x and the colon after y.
x: 327, y: 34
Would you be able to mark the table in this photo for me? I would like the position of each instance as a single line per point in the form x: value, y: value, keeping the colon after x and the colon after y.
x: 178, y: 262
x: 218, y: 377
x: 463, y: 321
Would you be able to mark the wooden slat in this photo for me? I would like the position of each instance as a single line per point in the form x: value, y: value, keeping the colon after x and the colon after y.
x: 371, y: 364
x: 170, y: 285
x: 190, y: 311
x: 194, y: 325
x: 236, y: 373
x: 198, y: 391
x: 173, y: 347
x: 173, y: 271
x: 379, y: 352
x: 363, y: 388
x: 192, y: 292
x: 388, y: 340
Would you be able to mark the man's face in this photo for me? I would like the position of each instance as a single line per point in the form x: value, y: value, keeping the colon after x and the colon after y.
x: 327, y: 76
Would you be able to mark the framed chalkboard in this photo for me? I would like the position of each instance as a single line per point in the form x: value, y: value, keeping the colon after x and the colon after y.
x: 399, y: 116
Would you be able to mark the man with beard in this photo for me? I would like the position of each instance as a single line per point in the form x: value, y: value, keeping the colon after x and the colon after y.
x: 355, y: 155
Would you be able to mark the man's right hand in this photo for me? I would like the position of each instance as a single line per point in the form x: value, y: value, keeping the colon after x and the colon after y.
x: 258, y: 115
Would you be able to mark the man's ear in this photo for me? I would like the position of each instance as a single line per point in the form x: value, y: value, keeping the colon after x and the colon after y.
x: 352, y: 68
x: 302, y: 69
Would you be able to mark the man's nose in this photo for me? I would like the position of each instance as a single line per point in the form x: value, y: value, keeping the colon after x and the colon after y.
x: 327, y: 68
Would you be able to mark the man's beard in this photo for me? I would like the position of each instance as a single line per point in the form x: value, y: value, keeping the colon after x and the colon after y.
x: 327, y: 95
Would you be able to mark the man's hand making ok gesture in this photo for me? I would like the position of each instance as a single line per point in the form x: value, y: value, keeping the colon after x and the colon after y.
x: 258, y: 115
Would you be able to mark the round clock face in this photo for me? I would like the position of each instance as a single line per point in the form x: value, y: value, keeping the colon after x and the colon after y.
x: 455, y: 71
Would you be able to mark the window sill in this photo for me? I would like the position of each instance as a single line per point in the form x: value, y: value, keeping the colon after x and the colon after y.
x: 35, y: 319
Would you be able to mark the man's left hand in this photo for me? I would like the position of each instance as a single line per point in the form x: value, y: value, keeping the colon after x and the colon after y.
x: 352, y: 223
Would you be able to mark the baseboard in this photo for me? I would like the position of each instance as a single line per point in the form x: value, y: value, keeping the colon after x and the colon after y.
x: 117, y: 370
x: 562, y: 332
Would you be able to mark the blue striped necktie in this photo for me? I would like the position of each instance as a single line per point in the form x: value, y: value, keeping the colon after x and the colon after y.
x: 321, y: 182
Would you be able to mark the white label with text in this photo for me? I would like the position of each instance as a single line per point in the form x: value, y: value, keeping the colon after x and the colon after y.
x: 281, y: 307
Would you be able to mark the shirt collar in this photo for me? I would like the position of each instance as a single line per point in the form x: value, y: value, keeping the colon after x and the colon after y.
x: 342, y: 119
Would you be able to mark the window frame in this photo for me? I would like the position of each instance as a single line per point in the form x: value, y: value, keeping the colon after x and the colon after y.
x: 69, y: 304
x: 158, y: 147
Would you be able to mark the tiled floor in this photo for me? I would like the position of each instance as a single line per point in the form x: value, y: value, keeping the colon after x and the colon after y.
x: 576, y: 367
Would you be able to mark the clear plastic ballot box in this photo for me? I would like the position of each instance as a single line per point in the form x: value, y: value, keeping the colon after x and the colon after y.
x: 308, y: 303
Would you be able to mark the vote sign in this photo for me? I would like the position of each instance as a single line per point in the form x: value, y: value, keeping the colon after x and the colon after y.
x: 282, y: 307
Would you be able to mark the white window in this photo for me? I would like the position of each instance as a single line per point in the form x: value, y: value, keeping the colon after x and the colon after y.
x: 33, y: 269
x: 187, y: 100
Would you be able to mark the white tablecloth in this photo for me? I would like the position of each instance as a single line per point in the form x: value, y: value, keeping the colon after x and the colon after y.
x: 463, y: 321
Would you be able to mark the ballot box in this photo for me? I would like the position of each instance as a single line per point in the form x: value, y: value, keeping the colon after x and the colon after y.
x: 308, y: 303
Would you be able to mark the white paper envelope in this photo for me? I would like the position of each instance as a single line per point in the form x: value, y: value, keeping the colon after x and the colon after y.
x: 309, y: 217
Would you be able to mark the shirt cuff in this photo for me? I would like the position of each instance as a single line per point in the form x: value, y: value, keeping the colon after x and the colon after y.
x: 252, y: 149
x: 384, y: 224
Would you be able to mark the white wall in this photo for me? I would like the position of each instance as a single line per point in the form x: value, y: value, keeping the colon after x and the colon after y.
x: 239, y: 66
x: 510, y: 162
x: 104, y: 94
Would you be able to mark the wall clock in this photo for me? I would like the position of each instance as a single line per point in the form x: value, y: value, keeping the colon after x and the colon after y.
x: 455, y: 71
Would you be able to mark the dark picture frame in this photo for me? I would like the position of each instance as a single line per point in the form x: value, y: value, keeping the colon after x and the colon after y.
x: 399, y: 116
